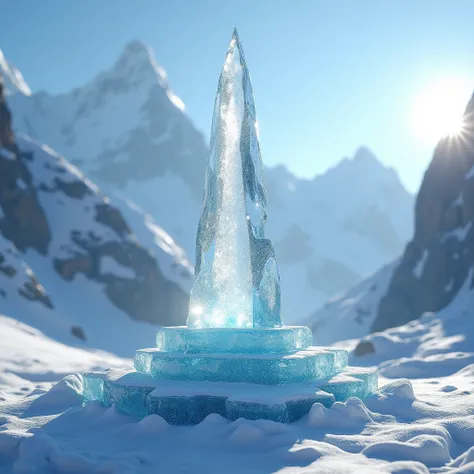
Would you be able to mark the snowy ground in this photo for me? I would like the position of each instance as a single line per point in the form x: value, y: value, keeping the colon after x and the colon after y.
x: 417, y: 426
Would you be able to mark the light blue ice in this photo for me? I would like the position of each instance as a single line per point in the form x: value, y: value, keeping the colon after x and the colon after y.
x: 237, y: 283
x: 234, y: 357
x: 233, y: 340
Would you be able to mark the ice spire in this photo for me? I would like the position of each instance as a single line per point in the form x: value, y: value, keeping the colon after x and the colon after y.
x: 236, y: 283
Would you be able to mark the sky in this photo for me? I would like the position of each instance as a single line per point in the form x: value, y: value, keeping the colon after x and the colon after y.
x: 328, y: 76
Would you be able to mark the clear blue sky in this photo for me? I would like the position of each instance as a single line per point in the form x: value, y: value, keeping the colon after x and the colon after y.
x: 328, y: 75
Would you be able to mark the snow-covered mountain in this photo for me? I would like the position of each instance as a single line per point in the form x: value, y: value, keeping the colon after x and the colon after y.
x: 128, y: 132
x: 332, y: 231
x: 437, y: 261
x: 12, y: 78
x: 351, y: 314
x: 435, y: 268
x: 103, y: 270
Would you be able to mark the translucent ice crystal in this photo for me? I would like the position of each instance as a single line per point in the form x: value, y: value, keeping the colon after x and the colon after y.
x: 269, y: 369
x: 237, y: 341
x: 237, y: 283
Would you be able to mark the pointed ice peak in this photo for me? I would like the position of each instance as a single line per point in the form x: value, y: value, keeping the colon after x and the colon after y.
x: 12, y: 78
x: 235, y: 41
x: 237, y: 283
x: 235, y: 53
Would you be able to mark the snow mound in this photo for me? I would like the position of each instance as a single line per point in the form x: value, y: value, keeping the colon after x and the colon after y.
x: 409, y: 426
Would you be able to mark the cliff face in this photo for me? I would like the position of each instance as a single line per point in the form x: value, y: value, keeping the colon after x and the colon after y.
x: 439, y: 258
x: 23, y: 221
x: 49, y: 209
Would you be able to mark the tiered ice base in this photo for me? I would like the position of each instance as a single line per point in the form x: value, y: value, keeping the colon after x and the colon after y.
x: 251, y: 373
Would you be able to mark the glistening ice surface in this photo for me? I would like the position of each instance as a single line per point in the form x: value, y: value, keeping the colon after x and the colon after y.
x: 189, y: 402
x: 234, y: 340
x: 237, y: 283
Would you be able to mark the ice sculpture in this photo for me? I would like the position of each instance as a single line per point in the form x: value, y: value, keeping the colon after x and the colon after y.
x: 236, y: 281
x: 234, y: 357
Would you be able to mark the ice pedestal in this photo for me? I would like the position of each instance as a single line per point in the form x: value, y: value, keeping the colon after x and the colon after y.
x: 271, y: 373
x: 233, y: 340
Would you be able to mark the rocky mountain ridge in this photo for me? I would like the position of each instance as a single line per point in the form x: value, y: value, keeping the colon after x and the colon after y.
x: 81, y: 248
x: 128, y: 132
x: 437, y: 261
x: 436, y: 268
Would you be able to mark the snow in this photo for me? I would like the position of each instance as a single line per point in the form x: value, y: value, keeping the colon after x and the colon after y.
x: 110, y: 265
x: 351, y: 315
x: 470, y: 173
x: 78, y: 303
x: 4, y: 153
x: 449, y: 286
x: 459, y: 233
x: 12, y: 78
x: 421, y: 420
x: 412, y: 426
x: 420, y: 264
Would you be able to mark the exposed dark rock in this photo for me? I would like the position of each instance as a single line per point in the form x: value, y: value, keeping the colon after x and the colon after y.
x: 33, y: 291
x: 439, y: 258
x: 7, y: 139
x: 5, y: 268
x: 111, y: 217
x: 362, y: 314
x: 78, y: 332
x: 69, y: 268
x: 24, y: 222
x: 144, y: 293
x: 139, y: 296
x: 22, y: 279
x: 363, y: 348
x: 75, y: 189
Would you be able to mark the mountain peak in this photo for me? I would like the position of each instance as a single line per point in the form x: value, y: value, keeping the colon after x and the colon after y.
x: 135, y: 47
x: 12, y: 78
x: 138, y: 58
x: 365, y: 155
x: 364, y: 162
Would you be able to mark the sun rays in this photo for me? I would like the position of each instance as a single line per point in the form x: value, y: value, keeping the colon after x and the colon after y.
x: 438, y: 111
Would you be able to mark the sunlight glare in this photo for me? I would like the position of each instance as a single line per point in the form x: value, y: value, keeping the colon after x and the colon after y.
x: 438, y: 110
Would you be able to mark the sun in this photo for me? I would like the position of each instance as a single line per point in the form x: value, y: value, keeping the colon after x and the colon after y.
x: 438, y: 110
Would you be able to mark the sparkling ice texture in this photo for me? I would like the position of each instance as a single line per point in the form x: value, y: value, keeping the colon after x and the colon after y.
x: 237, y: 283
x: 234, y: 357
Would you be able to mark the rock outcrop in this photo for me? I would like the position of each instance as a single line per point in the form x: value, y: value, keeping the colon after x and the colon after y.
x: 47, y: 205
x: 440, y: 256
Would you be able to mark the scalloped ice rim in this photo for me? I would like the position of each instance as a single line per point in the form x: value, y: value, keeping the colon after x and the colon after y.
x: 215, y: 371
x: 187, y: 402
